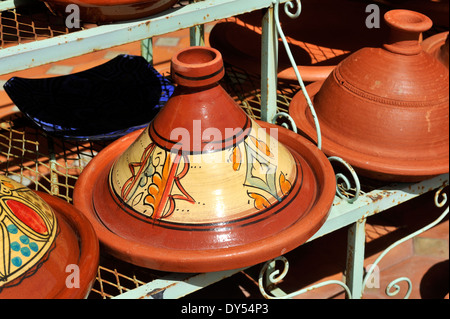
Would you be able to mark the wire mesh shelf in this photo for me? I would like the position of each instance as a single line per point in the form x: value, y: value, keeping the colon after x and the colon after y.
x: 28, y: 23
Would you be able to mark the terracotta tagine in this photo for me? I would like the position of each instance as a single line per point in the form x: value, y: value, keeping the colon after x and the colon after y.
x: 103, y: 11
x: 325, y: 33
x: 49, y: 250
x: 437, y: 46
x: 203, y: 187
x: 385, y: 110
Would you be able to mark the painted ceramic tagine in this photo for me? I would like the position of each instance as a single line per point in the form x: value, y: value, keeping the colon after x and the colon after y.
x: 325, y: 33
x: 49, y: 250
x: 205, y: 188
x: 385, y: 110
x: 104, y: 11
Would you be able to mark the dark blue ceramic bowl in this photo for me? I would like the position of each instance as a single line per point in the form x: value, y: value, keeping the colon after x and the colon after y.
x: 104, y: 102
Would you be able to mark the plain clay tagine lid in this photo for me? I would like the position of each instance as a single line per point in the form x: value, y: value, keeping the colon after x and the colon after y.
x: 385, y: 110
x: 42, y: 238
x: 204, y: 187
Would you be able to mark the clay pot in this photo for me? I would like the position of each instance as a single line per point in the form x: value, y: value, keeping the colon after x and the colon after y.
x: 437, y: 46
x: 203, y: 187
x: 48, y: 248
x: 385, y: 110
x: 103, y: 11
x: 319, y: 39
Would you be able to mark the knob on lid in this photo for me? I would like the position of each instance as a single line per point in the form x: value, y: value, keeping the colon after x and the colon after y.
x: 406, y: 30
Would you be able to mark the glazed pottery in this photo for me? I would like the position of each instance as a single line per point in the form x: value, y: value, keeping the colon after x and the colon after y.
x: 324, y: 34
x: 437, y: 46
x: 384, y: 110
x: 204, y: 187
x: 103, y: 11
x: 104, y: 102
x: 48, y: 248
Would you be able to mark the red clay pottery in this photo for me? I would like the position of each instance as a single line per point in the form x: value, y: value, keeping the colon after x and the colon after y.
x: 103, y: 11
x: 324, y: 34
x: 437, y: 10
x: 48, y: 248
x: 437, y: 46
x: 385, y: 110
x: 204, y: 188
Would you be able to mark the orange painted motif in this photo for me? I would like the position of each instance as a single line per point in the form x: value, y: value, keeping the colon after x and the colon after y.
x: 237, y: 158
x: 260, y: 201
x: 261, y: 146
x: 285, y: 185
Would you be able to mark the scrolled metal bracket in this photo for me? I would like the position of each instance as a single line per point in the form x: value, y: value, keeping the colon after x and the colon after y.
x: 274, y: 277
x: 343, y: 184
x: 288, y: 6
x: 288, y: 117
x: 440, y: 199
x: 287, y: 9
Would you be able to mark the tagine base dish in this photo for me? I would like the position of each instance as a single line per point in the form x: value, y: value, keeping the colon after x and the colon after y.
x: 76, y: 244
x: 379, y: 168
x: 151, y: 254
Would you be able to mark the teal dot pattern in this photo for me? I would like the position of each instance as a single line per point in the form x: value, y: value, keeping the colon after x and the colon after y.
x: 25, y: 247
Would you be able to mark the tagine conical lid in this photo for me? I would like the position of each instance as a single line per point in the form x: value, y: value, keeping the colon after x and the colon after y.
x: 204, y: 187
x: 48, y: 248
x: 385, y: 110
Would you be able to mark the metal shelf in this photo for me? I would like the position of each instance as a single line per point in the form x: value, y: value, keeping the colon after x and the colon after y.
x: 105, y: 36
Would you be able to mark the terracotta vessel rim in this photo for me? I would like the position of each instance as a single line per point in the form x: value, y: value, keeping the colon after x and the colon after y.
x: 407, y: 20
x: 106, y: 11
x: 88, y: 243
x: 149, y: 256
x: 434, y: 42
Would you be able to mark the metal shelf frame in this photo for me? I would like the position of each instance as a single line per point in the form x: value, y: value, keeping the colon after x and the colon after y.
x: 343, y: 213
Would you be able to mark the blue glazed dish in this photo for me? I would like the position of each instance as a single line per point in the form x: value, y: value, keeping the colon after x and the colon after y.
x: 101, y: 103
